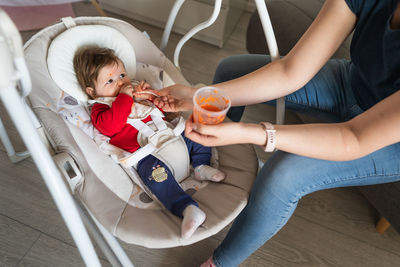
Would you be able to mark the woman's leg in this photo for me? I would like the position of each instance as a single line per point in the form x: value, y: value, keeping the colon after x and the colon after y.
x: 283, y: 181
x: 285, y: 178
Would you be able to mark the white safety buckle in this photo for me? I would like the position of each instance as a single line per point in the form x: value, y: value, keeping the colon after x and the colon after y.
x: 160, y: 137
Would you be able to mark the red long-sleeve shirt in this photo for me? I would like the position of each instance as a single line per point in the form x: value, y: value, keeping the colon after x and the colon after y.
x: 111, y: 121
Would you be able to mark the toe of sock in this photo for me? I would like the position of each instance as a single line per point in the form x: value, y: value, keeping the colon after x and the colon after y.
x: 218, y: 177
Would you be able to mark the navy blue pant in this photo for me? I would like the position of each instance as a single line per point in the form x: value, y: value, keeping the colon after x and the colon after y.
x: 160, y: 181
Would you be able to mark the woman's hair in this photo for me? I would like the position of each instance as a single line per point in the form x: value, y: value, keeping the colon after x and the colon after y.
x: 89, y: 60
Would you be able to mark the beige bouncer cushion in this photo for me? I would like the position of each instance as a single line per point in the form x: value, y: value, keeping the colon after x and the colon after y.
x: 155, y: 228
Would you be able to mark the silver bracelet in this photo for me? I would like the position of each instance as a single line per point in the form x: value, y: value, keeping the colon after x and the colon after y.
x: 271, y: 136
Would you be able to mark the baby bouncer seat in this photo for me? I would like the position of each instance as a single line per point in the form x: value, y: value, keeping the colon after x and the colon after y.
x: 106, y: 189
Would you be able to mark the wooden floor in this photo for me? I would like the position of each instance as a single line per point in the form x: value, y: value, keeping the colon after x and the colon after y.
x: 329, y: 228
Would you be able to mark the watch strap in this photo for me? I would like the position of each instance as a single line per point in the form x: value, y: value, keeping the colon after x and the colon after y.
x: 271, y: 136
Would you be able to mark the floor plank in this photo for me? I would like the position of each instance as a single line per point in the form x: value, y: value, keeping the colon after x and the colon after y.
x: 332, y: 209
x: 24, y: 197
x: 306, y: 243
x: 51, y: 252
x: 16, y: 239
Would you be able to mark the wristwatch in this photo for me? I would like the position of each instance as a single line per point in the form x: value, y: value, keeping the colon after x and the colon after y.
x: 271, y: 136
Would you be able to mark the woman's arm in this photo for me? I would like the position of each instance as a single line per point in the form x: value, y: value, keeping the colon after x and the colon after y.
x: 333, y: 24
x: 374, y: 129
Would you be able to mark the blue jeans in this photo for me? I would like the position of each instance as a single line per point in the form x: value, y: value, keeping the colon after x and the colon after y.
x: 286, y: 178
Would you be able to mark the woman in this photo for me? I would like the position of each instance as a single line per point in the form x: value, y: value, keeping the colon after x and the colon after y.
x: 360, y: 99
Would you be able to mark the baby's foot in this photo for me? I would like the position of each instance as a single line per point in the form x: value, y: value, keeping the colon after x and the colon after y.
x: 205, y: 172
x: 193, y: 217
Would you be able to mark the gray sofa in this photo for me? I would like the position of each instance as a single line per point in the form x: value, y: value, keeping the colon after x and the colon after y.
x: 290, y: 19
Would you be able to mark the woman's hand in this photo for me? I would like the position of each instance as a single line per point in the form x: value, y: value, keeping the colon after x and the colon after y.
x: 226, y: 133
x: 166, y: 103
x: 176, y: 97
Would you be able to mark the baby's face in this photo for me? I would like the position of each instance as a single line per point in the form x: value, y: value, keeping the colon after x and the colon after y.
x: 111, y: 79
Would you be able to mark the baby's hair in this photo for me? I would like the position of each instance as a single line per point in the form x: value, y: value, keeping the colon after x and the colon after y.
x: 89, y: 60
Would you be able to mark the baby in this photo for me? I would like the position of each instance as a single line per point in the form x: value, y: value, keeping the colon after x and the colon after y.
x: 102, y: 75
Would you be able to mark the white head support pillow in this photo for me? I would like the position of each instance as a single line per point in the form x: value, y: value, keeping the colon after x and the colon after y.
x: 62, y: 50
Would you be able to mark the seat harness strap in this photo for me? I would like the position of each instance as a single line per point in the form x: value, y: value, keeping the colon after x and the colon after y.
x: 148, y: 132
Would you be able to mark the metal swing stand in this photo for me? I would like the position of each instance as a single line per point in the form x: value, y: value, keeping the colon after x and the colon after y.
x: 15, y: 85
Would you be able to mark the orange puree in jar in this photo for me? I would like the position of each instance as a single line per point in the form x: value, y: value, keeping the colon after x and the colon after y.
x: 205, y: 118
x: 210, y: 107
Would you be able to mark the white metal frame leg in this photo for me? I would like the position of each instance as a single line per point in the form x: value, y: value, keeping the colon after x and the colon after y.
x: 171, y: 19
x: 273, y: 51
x: 14, y: 156
x: 11, y: 70
x: 170, y: 23
x: 62, y: 197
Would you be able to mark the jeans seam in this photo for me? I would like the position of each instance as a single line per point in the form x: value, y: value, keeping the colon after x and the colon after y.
x: 284, y: 216
x: 307, y: 190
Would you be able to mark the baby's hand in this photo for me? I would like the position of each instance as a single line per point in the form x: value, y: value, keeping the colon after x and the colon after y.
x: 128, y: 90
x: 142, y: 86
